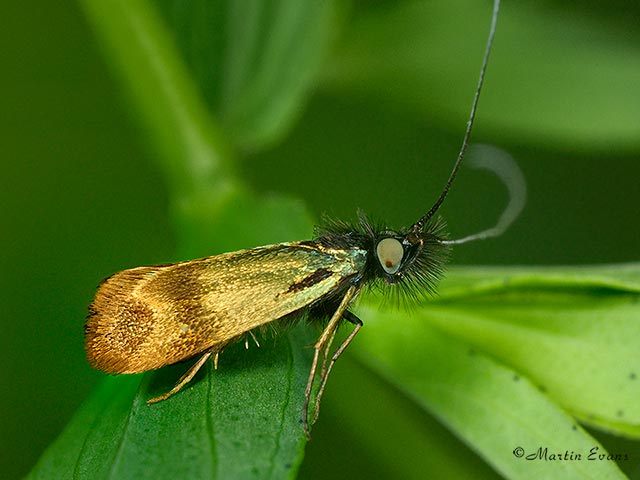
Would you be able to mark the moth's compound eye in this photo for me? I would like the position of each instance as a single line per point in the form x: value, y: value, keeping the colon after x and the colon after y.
x: 390, y: 253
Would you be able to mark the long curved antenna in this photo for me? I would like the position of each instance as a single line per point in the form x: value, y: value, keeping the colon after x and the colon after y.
x: 417, y: 227
x: 506, y: 169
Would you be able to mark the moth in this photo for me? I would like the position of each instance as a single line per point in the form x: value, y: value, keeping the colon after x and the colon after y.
x: 147, y: 317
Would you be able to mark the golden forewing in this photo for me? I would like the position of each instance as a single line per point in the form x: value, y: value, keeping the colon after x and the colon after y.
x: 147, y: 317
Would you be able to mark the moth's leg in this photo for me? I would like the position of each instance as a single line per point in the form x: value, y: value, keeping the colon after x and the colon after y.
x: 358, y: 325
x: 186, y: 378
x: 350, y: 317
x: 325, y: 353
x: 326, y: 336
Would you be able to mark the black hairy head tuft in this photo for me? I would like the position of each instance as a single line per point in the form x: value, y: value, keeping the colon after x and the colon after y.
x: 423, y: 255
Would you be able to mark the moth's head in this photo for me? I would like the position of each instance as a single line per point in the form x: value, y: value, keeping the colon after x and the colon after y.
x: 414, y: 258
x: 405, y: 263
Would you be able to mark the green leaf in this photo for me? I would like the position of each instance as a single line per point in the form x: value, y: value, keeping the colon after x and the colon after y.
x: 542, y: 85
x: 506, y: 357
x: 242, y: 421
x: 255, y: 61
x: 586, y: 320
x: 461, y: 282
x: 370, y: 429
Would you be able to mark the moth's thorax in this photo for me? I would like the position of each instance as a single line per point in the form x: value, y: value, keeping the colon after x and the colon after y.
x: 347, y: 260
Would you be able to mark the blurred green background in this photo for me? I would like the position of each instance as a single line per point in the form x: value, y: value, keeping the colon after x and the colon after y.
x: 80, y: 197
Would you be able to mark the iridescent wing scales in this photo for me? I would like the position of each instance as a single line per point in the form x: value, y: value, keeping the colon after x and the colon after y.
x: 147, y: 317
